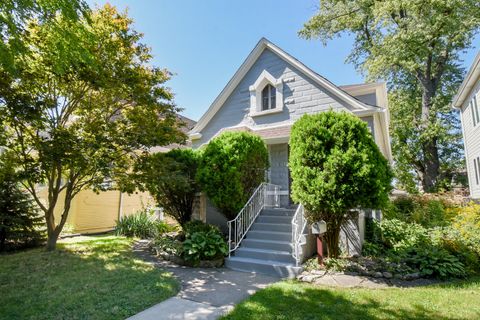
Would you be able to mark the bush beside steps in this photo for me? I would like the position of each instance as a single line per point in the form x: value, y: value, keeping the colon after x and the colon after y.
x: 197, y: 245
x: 216, y: 263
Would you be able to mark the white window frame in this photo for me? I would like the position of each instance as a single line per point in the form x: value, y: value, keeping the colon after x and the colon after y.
x: 256, y: 89
x: 476, y: 169
x: 475, y: 110
x: 269, y: 97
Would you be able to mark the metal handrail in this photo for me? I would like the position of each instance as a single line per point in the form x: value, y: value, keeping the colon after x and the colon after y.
x: 238, y: 227
x: 298, y: 227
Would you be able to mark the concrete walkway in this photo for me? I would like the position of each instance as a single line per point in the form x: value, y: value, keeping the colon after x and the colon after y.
x: 204, y: 294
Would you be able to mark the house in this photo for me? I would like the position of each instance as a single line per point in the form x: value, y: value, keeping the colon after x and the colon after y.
x: 467, y: 101
x: 267, y: 94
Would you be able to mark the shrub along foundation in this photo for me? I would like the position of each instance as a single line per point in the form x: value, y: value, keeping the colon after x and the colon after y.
x: 216, y: 263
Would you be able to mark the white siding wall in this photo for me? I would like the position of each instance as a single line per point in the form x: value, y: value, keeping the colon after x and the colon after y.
x: 471, y: 136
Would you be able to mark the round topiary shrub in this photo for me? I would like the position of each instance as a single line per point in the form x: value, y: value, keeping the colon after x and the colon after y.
x: 232, y: 166
x: 336, y: 167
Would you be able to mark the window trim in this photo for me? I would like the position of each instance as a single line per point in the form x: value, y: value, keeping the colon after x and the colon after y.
x: 476, y: 166
x: 256, y: 89
x: 474, y: 118
x: 475, y: 106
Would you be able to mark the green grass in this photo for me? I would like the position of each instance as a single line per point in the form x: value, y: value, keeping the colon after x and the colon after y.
x: 291, y: 300
x: 94, y: 279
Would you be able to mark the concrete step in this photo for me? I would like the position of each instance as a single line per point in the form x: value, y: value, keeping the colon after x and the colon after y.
x: 269, y: 235
x: 278, y: 212
x: 280, y: 227
x: 267, y: 244
x: 274, y: 219
x: 252, y: 253
x: 271, y: 267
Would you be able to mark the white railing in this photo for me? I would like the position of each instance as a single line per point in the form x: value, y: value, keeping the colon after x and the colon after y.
x: 299, y: 224
x: 266, y: 195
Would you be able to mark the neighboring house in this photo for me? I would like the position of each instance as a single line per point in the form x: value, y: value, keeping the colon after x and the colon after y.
x: 268, y: 93
x: 91, y: 212
x: 467, y: 101
x: 187, y: 125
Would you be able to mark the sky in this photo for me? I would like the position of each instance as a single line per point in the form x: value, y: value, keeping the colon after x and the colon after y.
x: 203, y: 43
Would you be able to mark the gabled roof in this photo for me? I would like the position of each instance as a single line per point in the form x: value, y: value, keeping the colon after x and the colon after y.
x: 467, y: 85
x: 189, y: 123
x: 378, y: 88
x: 262, y: 45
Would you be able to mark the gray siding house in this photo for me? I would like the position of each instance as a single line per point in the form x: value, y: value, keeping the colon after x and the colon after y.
x: 467, y: 101
x: 268, y: 93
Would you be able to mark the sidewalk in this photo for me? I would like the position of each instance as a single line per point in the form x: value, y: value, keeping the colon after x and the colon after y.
x: 204, y: 294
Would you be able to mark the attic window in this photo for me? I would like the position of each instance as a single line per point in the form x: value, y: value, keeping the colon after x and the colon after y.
x: 268, y: 97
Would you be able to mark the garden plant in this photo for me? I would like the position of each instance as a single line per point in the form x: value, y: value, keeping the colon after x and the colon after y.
x: 171, y: 179
x: 336, y: 168
x: 232, y: 166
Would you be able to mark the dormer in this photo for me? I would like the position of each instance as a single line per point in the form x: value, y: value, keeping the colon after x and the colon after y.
x: 266, y: 95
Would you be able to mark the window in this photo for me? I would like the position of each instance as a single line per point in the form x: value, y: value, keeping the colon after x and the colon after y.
x: 476, y: 166
x: 475, y: 111
x: 474, y: 119
x: 268, y: 97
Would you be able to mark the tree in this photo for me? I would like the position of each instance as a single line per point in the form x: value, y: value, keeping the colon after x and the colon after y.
x: 171, y: 179
x: 336, y: 168
x: 84, y: 104
x: 21, y: 224
x: 14, y: 17
x: 232, y: 166
x: 415, y: 46
x: 407, y: 137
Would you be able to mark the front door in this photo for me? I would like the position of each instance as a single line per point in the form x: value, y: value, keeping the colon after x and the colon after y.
x: 279, y: 173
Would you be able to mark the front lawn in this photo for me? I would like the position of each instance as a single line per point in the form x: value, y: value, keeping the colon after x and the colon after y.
x: 93, y: 279
x: 291, y: 300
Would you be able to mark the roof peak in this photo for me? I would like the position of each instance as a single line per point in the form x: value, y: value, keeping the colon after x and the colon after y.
x: 252, y: 57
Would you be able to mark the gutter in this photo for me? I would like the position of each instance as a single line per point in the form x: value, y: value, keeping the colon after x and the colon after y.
x: 467, y: 84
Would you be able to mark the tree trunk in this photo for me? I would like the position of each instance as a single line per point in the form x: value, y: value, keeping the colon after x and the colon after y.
x: 50, y: 221
x: 3, y: 238
x: 432, y: 165
x: 53, y: 231
x: 52, y: 242
x: 431, y: 161
x: 332, y: 238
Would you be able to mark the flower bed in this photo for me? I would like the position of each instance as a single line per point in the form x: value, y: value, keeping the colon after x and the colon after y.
x: 364, y: 266
x: 198, y: 245
x: 176, y: 259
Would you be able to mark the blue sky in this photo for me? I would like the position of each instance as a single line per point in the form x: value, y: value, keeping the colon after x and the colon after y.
x: 204, y: 42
